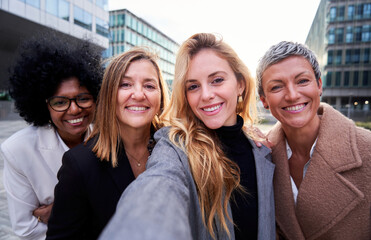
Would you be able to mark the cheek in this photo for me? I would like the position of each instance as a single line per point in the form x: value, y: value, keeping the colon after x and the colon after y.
x: 192, y: 100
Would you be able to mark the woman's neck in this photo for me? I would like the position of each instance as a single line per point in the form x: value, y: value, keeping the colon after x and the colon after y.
x: 302, y: 139
x: 72, y: 141
x: 135, y: 139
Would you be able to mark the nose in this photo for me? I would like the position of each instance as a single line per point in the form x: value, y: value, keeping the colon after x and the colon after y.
x: 292, y: 93
x: 207, y: 93
x: 74, y: 109
x: 138, y: 93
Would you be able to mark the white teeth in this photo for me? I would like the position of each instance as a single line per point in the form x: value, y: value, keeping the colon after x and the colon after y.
x: 137, y: 108
x: 295, y: 108
x: 212, y: 108
x: 73, y: 121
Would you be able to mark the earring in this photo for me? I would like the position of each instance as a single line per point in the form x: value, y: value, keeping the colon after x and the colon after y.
x: 240, y: 99
x: 266, y: 107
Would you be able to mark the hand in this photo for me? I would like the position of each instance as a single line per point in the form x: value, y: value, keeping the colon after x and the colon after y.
x: 261, y: 139
x: 42, y: 213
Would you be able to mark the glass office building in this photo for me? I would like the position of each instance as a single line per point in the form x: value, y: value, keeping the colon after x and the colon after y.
x: 128, y: 30
x: 77, y: 19
x: 341, y: 37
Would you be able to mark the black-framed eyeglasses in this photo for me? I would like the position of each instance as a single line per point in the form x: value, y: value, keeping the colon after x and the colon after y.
x: 61, y: 103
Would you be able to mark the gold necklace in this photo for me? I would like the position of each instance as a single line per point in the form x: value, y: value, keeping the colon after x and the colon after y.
x: 132, y: 157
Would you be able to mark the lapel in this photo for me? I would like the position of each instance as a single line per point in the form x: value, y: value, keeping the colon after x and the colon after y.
x: 284, y: 200
x: 122, y: 174
x: 264, y: 177
x: 50, y: 148
x: 326, y: 195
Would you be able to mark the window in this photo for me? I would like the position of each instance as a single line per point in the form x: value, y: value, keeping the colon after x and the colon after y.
x: 102, y: 3
x: 35, y: 3
x: 346, y: 79
x: 340, y: 15
x: 120, y: 20
x: 349, y: 35
x: 101, y: 27
x: 337, y: 79
x: 338, y: 57
x: 332, y: 14
x: 367, y: 10
x: 339, y: 35
x: 355, y: 79
x: 356, y: 56
x: 348, y: 56
x: 329, y: 79
x: 358, y: 34
x: 331, y: 36
x: 366, y: 78
x: 366, y: 33
x: 359, y: 11
x: 59, y: 8
x: 366, y: 55
x: 350, y: 12
x: 82, y: 18
x: 111, y: 20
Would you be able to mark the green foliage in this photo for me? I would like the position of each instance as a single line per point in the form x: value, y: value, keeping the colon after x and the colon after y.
x: 366, y: 125
x: 4, y: 96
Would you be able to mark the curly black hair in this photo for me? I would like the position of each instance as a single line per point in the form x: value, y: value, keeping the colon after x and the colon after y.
x: 43, y: 63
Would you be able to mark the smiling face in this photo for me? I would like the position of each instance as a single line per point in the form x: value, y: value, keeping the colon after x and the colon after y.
x: 292, y: 92
x: 138, y: 96
x: 73, y: 123
x: 212, y: 89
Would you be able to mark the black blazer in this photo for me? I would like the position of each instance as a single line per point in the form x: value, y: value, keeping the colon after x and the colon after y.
x: 87, y: 193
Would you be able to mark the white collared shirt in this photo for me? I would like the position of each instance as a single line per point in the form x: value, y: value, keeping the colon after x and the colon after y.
x: 289, y: 155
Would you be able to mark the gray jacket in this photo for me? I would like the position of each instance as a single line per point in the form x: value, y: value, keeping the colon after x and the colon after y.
x: 162, y: 202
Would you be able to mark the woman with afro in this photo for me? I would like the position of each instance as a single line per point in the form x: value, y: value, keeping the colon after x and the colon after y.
x: 54, y: 84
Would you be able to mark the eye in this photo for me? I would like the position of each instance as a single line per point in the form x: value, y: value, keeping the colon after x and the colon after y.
x: 303, y: 81
x: 192, y: 87
x: 276, y: 88
x: 125, y: 85
x: 218, y: 80
x: 150, y: 86
x: 84, y: 98
x: 58, y: 102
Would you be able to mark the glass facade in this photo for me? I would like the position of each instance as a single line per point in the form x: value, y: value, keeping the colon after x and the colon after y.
x: 127, y: 30
x: 82, y: 18
x: 102, y: 4
x: 59, y: 8
x: 340, y: 35
x: 34, y: 3
x: 101, y: 27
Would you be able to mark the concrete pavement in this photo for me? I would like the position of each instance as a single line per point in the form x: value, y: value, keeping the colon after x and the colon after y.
x: 8, y: 126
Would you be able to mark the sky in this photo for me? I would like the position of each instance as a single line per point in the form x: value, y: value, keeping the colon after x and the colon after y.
x: 250, y: 27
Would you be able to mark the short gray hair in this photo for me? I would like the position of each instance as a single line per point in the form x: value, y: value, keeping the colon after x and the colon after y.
x: 280, y: 52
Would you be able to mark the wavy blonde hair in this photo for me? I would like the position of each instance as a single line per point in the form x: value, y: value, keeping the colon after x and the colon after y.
x: 106, y: 125
x: 215, y: 175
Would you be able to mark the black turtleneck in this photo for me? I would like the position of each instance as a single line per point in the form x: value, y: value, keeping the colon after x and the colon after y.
x: 245, y: 207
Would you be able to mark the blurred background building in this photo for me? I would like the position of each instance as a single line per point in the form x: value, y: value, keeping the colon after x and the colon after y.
x: 340, y: 36
x: 21, y: 19
x: 128, y: 30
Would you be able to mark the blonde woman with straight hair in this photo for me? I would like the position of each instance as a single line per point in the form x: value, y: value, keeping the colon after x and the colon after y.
x: 206, y: 179
x: 94, y: 175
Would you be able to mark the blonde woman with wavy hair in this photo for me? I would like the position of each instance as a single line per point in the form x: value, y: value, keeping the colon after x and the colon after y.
x: 206, y: 178
x: 94, y: 175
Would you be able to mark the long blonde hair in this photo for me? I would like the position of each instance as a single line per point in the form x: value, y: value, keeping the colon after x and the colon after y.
x: 106, y: 126
x: 215, y: 175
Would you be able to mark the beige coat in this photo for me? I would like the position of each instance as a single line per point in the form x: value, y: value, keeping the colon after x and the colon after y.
x: 334, y: 199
